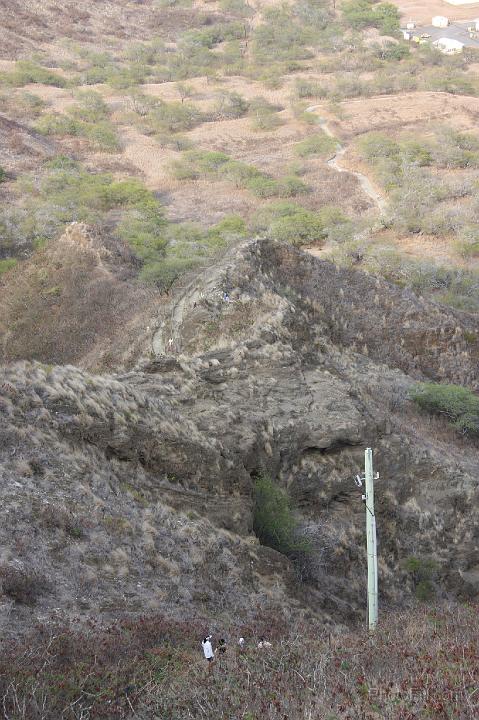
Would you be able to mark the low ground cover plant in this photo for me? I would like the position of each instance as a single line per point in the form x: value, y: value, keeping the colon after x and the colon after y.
x: 219, y: 166
x: 459, y: 404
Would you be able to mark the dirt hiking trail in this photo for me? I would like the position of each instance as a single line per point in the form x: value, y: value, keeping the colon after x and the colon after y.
x: 333, y: 162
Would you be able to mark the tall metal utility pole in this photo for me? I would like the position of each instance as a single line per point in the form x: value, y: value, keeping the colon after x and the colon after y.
x: 371, y: 540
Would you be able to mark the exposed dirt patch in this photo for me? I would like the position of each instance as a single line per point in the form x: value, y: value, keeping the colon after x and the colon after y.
x: 400, y: 111
x: 422, y: 12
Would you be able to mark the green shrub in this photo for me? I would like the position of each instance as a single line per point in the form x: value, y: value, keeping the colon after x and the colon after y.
x: 175, y: 141
x: 230, y: 106
x: 7, y: 264
x: 239, y: 173
x: 319, y: 144
x: 141, y: 232
x: 57, y: 124
x: 376, y: 145
x: 288, y: 222
x: 163, y: 273
x: 66, y: 192
x: 391, y: 51
x: 212, y: 35
x: 291, y: 186
x: 264, y: 114
x: 302, y: 228
x: 457, y: 403
x: 27, y: 72
x: 456, y: 149
x: 264, y: 187
x: 3, y: 175
x: 218, y: 165
x: 231, y: 227
x: 90, y: 107
x: 273, y: 520
x: 364, y: 13
x: 280, y: 38
x: 305, y: 88
x: 22, y: 105
x: 174, y: 117
x: 237, y: 7
x: 102, y: 134
x: 467, y: 243
x: 265, y: 120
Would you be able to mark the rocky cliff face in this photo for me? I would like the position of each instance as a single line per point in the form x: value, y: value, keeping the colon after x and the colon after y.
x: 134, y: 492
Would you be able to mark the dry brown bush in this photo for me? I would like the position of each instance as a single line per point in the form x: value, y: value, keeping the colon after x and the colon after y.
x: 22, y: 584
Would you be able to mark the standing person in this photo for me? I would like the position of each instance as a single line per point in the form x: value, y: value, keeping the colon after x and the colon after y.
x: 208, y: 651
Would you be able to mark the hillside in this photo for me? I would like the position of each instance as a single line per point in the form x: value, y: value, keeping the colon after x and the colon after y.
x: 110, y: 462
x: 239, y: 244
x: 239, y: 120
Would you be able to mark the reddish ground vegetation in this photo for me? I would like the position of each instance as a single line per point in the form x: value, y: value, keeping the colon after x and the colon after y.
x: 424, y: 664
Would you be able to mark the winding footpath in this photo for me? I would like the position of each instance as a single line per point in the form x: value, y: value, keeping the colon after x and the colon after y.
x: 333, y: 162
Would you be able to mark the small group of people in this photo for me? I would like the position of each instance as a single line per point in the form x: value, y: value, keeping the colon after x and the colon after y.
x: 209, y: 651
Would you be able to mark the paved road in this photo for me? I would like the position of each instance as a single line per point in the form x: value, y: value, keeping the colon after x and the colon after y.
x: 455, y: 31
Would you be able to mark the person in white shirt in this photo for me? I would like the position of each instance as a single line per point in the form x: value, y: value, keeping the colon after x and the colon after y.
x: 208, y: 649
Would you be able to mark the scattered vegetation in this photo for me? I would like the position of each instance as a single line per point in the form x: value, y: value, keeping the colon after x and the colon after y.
x: 67, y: 193
x: 219, y: 166
x: 88, y: 118
x: 27, y: 72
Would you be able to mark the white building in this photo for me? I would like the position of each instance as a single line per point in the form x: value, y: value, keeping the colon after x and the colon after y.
x: 440, y: 21
x: 462, y: 2
x: 449, y: 46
